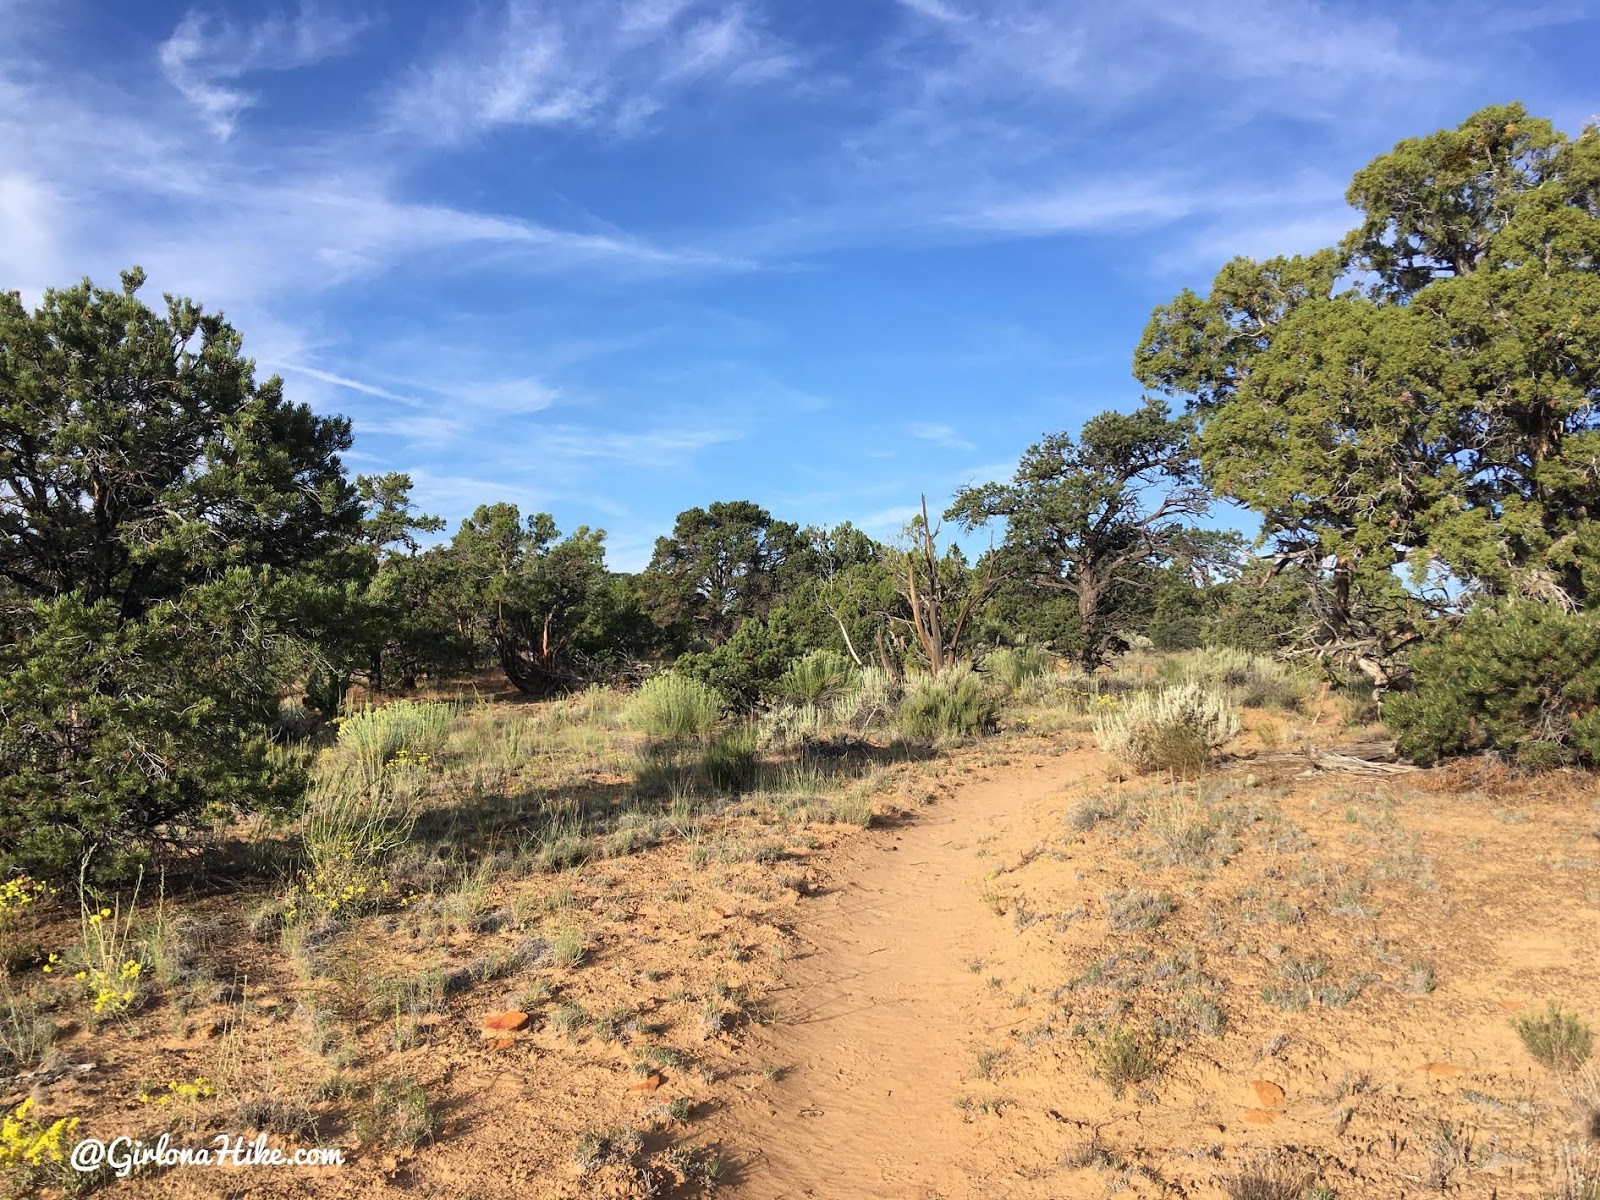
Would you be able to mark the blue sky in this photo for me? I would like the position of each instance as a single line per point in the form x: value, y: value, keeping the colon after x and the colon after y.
x: 615, y: 258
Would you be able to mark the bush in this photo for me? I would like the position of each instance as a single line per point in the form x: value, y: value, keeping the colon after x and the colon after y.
x: 951, y: 704
x: 870, y: 701
x: 1124, y: 1057
x: 1560, y: 1040
x: 793, y: 725
x: 1521, y: 678
x: 119, y: 735
x: 1178, y: 728
x: 729, y: 762
x: 675, y: 707
x: 745, y: 669
x: 349, y: 831
x: 1253, y: 680
x: 818, y: 678
x: 1012, y: 666
x: 376, y: 737
x: 1271, y: 1178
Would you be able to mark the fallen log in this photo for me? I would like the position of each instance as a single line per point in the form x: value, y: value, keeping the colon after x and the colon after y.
x: 1360, y: 758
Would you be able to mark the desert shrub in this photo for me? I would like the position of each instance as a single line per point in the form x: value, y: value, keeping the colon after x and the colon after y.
x: 1012, y: 666
x: 1124, y: 1057
x: 744, y: 670
x: 792, y: 725
x: 401, y: 1113
x: 1187, y: 830
x: 729, y: 762
x: 1521, y: 678
x: 595, y: 705
x: 375, y: 737
x: 1560, y: 1040
x: 619, y: 1147
x: 31, y: 1151
x: 110, y: 963
x: 1178, y: 728
x: 348, y: 831
x: 951, y: 704
x: 818, y: 678
x: 1271, y: 1178
x: 1577, y: 1173
x: 870, y: 700
x: 1138, y: 909
x: 1252, y: 680
x: 674, y: 706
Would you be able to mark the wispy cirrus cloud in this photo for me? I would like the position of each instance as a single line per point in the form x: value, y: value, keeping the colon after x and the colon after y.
x: 610, y: 65
x: 208, y: 55
x: 939, y: 435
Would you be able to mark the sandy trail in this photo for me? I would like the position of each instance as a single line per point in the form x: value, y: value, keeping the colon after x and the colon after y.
x: 880, y: 1020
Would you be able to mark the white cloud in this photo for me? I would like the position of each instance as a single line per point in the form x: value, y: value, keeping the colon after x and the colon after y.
x: 207, y: 55
x: 647, y: 448
x: 354, y: 385
x: 891, y: 520
x: 941, y: 435
x: 606, y: 64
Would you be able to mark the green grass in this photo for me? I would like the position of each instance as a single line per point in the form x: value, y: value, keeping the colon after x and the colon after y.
x: 674, y: 707
x: 953, y: 704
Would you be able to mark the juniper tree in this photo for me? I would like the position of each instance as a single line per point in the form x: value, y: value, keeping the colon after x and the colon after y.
x: 1422, y: 396
x: 162, y: 518
x: 1090, y: 517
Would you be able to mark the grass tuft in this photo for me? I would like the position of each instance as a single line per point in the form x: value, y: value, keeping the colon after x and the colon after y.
x: 1560, y: 1040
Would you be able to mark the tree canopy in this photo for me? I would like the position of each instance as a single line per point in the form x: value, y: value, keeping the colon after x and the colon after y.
x: 163, y: 515
x: 1423, y: 394
x: 1088, y: 517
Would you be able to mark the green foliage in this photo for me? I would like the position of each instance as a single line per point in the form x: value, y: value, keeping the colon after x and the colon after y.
x: 729, y: 761
x: 326, y: 690
x: 1422, y: 394
x: 1124, y: 1057
x: 1560, y: 1040
x: 747, y: 667
x: 115, y: 729
x: 159, y: 559
x: 870, y: 701
x: 1079, y: 517
x: 818, y: 678
x: 674, y: 707
x: 350, y: 829
x: 1253, y: 680
x: 375, y: 737
x: 1177, y: 728
x: 1012, y: 666
x: 951, y: 704
x: 719, y: 567
x: 1521, y: 678
x: 793, y: 725
x: 545, y: 603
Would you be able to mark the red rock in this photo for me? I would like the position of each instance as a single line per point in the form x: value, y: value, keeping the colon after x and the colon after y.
x: 1268, y: 1094
x: 507, y: 1021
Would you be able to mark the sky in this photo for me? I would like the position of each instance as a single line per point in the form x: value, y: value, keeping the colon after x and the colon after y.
x: 612, y: 259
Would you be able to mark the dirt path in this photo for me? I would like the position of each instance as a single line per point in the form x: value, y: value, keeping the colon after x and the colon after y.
x: 882, y: 1017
